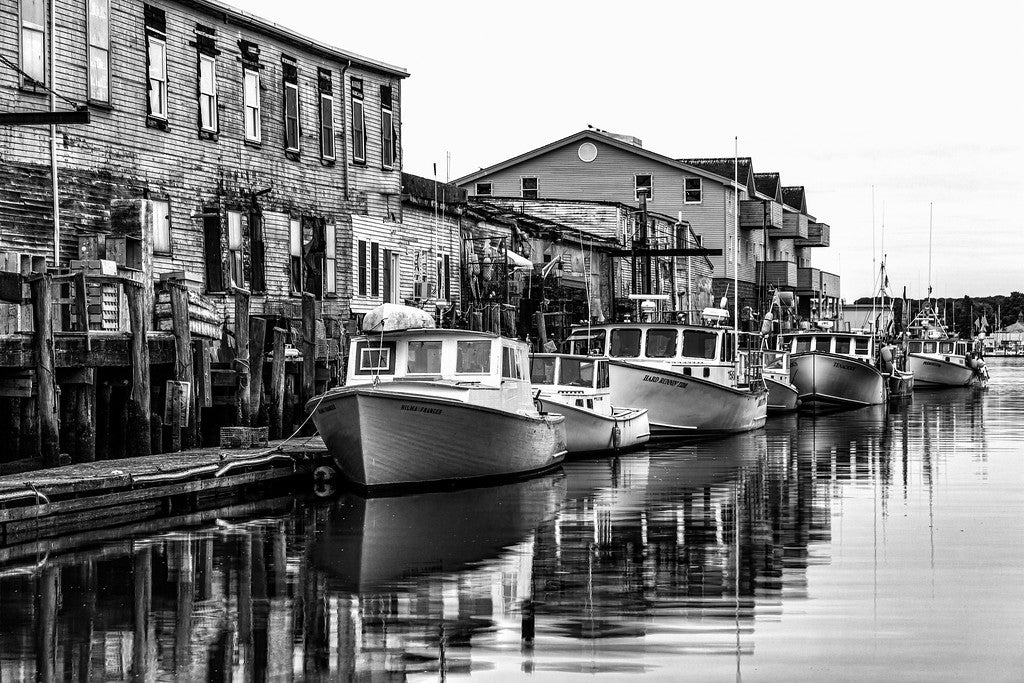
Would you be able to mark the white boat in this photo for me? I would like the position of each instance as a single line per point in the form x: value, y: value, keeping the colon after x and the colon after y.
x: 835, y: 368
x: 783, y: 396
x: 685, y: 375
x: 938, y: 359
x: 577, y: 387
x: 423, y: 405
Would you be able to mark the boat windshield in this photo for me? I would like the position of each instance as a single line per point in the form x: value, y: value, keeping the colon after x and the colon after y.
x: 823, y: 344
x: 473, y: 357
x: 801, y: 344
x: 945, y: 347
x: 929, y: 347
x: 625, y: 343
x: 587, y: 345
x: 576, y: 372
x: 843, y: 345
x: 542, y: 370
x: 774, y: 360
x: 699, y: 344
x: 424, y: 358
x: 603, y: 380
x: 661, y: 343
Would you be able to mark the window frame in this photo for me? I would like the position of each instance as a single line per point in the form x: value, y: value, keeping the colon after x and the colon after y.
x: 490, y: 189
x: 248, y: 106
x: 153, y: 40
x: 375, y: 253
x: 331, y: 258
x: 362, y: 269
x: 423, y: 345
x: 637, y: 186
x: 293, y: 87
x: 236, y: 250
x: 91, y: 47
x: 523, y: 190
x: 328, y: 119
x: 170, y: 242
x: 211, y: 126
x: 31, y: 27
x: 473, y: 342
x: 388, y: 148
x: 295, y: 283
x: 687, y: 189
x: 358, y: 128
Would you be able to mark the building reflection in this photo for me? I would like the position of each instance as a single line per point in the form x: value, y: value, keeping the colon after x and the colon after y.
x: 681, y: 550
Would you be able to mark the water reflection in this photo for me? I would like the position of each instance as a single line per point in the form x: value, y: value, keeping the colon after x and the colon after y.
x: 822, y: 534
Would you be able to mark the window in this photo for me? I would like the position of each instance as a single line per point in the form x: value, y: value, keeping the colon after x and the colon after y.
x: 33, y: 40
x: 801, y: 344
x: 473, y: 357
x: 625, y: 343
x: 929, y: 347
x: 235, y: 249
x: 374, y: 358
x: 945, y: 347
x: 161, y: 227
x: 692, y: 191
x: 387, y: 277
x: 157, y: 51
x: 843, y: 345
x: 387, y: 139
x: 251, y: 104
x: 823, y: 344
x: 592, y: 345
x: 914, y: 347
x: 257, y: 251
x: 374, y: 269
x: 326, y: 127
x: 603, y: 377
x: 295, y: 253
x: 444, y: 282
x: 331, y: 259
x: 697, y: 344
x: 424, y: 358
x: 212, y: 250
x: 576, y: 373
x: 660, y: 344
x: 644, y: 182
x: 99, y: 50
x: 362, y: 267
x: 291, y: 117
x: 510, y: 364
x: 483, y: 189
x: 529, y: 188
x: 863, y: 345
x: 208, y: 93
x: 542, y: 369
x: 358, y: 122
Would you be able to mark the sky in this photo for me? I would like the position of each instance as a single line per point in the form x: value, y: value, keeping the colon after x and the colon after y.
x: 878, y: 109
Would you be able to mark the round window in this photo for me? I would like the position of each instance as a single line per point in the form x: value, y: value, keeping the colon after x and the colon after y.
x: 587, y: 152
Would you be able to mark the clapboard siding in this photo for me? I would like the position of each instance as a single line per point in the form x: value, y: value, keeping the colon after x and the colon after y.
x: 118, y: 157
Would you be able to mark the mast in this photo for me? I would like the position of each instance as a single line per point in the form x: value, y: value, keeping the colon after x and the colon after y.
x: 929, y: 254
x: 735, y: 247
x: 874, y: 265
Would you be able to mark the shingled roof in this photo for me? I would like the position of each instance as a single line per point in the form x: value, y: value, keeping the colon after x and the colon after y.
x: 768, y: 184
x: 795, y: 198
x: 724, y: 166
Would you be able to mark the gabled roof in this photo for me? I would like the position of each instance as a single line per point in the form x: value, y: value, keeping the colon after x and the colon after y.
x: 595, y: 136
x: 769, y: 185
x: 794, y: 197
x: 728, y: 168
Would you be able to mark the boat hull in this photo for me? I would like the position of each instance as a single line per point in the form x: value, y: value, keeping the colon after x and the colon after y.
x: 589, y: 432
x: 381, y: 438
x: 900, y: 385
x: 783, y: 397
x: 680, y: 405
x: 830, y: 379
x: 936, y: 373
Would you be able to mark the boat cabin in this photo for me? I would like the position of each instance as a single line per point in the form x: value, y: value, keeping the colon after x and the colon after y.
x: 458, y: 356
x: 950, y: 348
x: 849, y: 344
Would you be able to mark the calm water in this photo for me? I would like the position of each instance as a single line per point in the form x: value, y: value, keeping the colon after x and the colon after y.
x: 863, y: 545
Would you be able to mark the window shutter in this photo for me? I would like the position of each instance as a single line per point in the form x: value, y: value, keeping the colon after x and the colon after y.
x: 374, y: 269
x: 387, y: 276
x: 362, y: 268
x: 213, y: 252
x: 258, y: 254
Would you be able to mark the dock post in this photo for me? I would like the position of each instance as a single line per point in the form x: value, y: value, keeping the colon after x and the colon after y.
x: 257, y: 340
x: 46, y: 378
x: 29, y: 427
x: 138, y: 413
x: 308, y: 349
x: 244, y: 399
x: 83, y: 416
x: 183, y: 362
x: 277, y: 385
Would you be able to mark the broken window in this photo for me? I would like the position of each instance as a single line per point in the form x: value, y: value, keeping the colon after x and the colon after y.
x: 257, y: 251
x: 212, y: 251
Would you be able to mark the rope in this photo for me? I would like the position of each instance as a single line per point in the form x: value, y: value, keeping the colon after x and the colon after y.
x: 36, y: 83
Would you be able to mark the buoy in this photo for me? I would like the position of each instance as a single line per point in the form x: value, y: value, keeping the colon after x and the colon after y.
x: 616, y: 436
x: 766, y: 324
x: 887, y: 358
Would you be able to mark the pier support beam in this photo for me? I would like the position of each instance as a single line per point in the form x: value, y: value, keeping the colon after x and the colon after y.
x: 257, y: 340
x: 183, y: 371
x: 244, y: 398
x: 46, y: 379
x: 138, y: 413
x: 308, y: 350
x: 277, y: 385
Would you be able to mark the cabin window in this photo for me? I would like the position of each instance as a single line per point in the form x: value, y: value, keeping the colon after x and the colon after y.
x: 575, y: 372
x: 774, y: 360
x: 929, y: 347
x: 661, y: 344
x: 529, y: 188
x: 692, y: 193
x: 843, y: 345
x: 424, y: 358
x: 801, y: 345
x: 863, y: 344
x: 592, y: 345
x: 509, y: 364
x: 483, y: 189
x: 914, y: 347
x: 625, y: 343
x: 542, y: 370
x: 603, y: 381
x: 473, y: 357
x: 823, y: 344
x: 375, y: 358
x: 699, y: 344
x: 945, y: 347
x: 643, y: 182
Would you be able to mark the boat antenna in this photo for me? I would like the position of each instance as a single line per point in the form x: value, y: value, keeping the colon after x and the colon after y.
x: 735, y: 247
x: 874, y: 264
x: 929, y: 253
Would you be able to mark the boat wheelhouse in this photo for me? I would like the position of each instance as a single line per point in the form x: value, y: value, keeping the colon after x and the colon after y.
x: 432, y: 405
x: 687, y: 376
x: 836, y: 368
x: 939, y: 359
x: 578, y: 388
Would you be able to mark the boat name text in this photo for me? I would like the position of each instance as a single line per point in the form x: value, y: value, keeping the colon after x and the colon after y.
x: 422, y: 409
x: 843, y: 366
x: 665, y: 380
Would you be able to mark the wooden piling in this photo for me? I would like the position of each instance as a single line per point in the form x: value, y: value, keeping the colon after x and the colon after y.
x: 29, y: 427
x: 183, y: 370
x: 142, y: 580
x: 83, y: 416
x: 308, y: 348
x: 138, y: 413
x: 277, y: 385
x: 257, y: 340
x: 203, y: 389
x: 46, y: 379
x: 243, y: 397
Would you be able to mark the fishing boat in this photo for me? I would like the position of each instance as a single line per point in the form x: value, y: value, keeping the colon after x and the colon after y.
x: 783, y: 396
x: 422, y: 405
x: 578, y: 388
x: 687, y: 376
x: 939, y: 359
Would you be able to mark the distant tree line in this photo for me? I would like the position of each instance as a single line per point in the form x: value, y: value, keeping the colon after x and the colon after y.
x: 962, y: 315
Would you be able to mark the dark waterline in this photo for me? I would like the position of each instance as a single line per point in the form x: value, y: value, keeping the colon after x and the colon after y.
x: 873, y: 544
